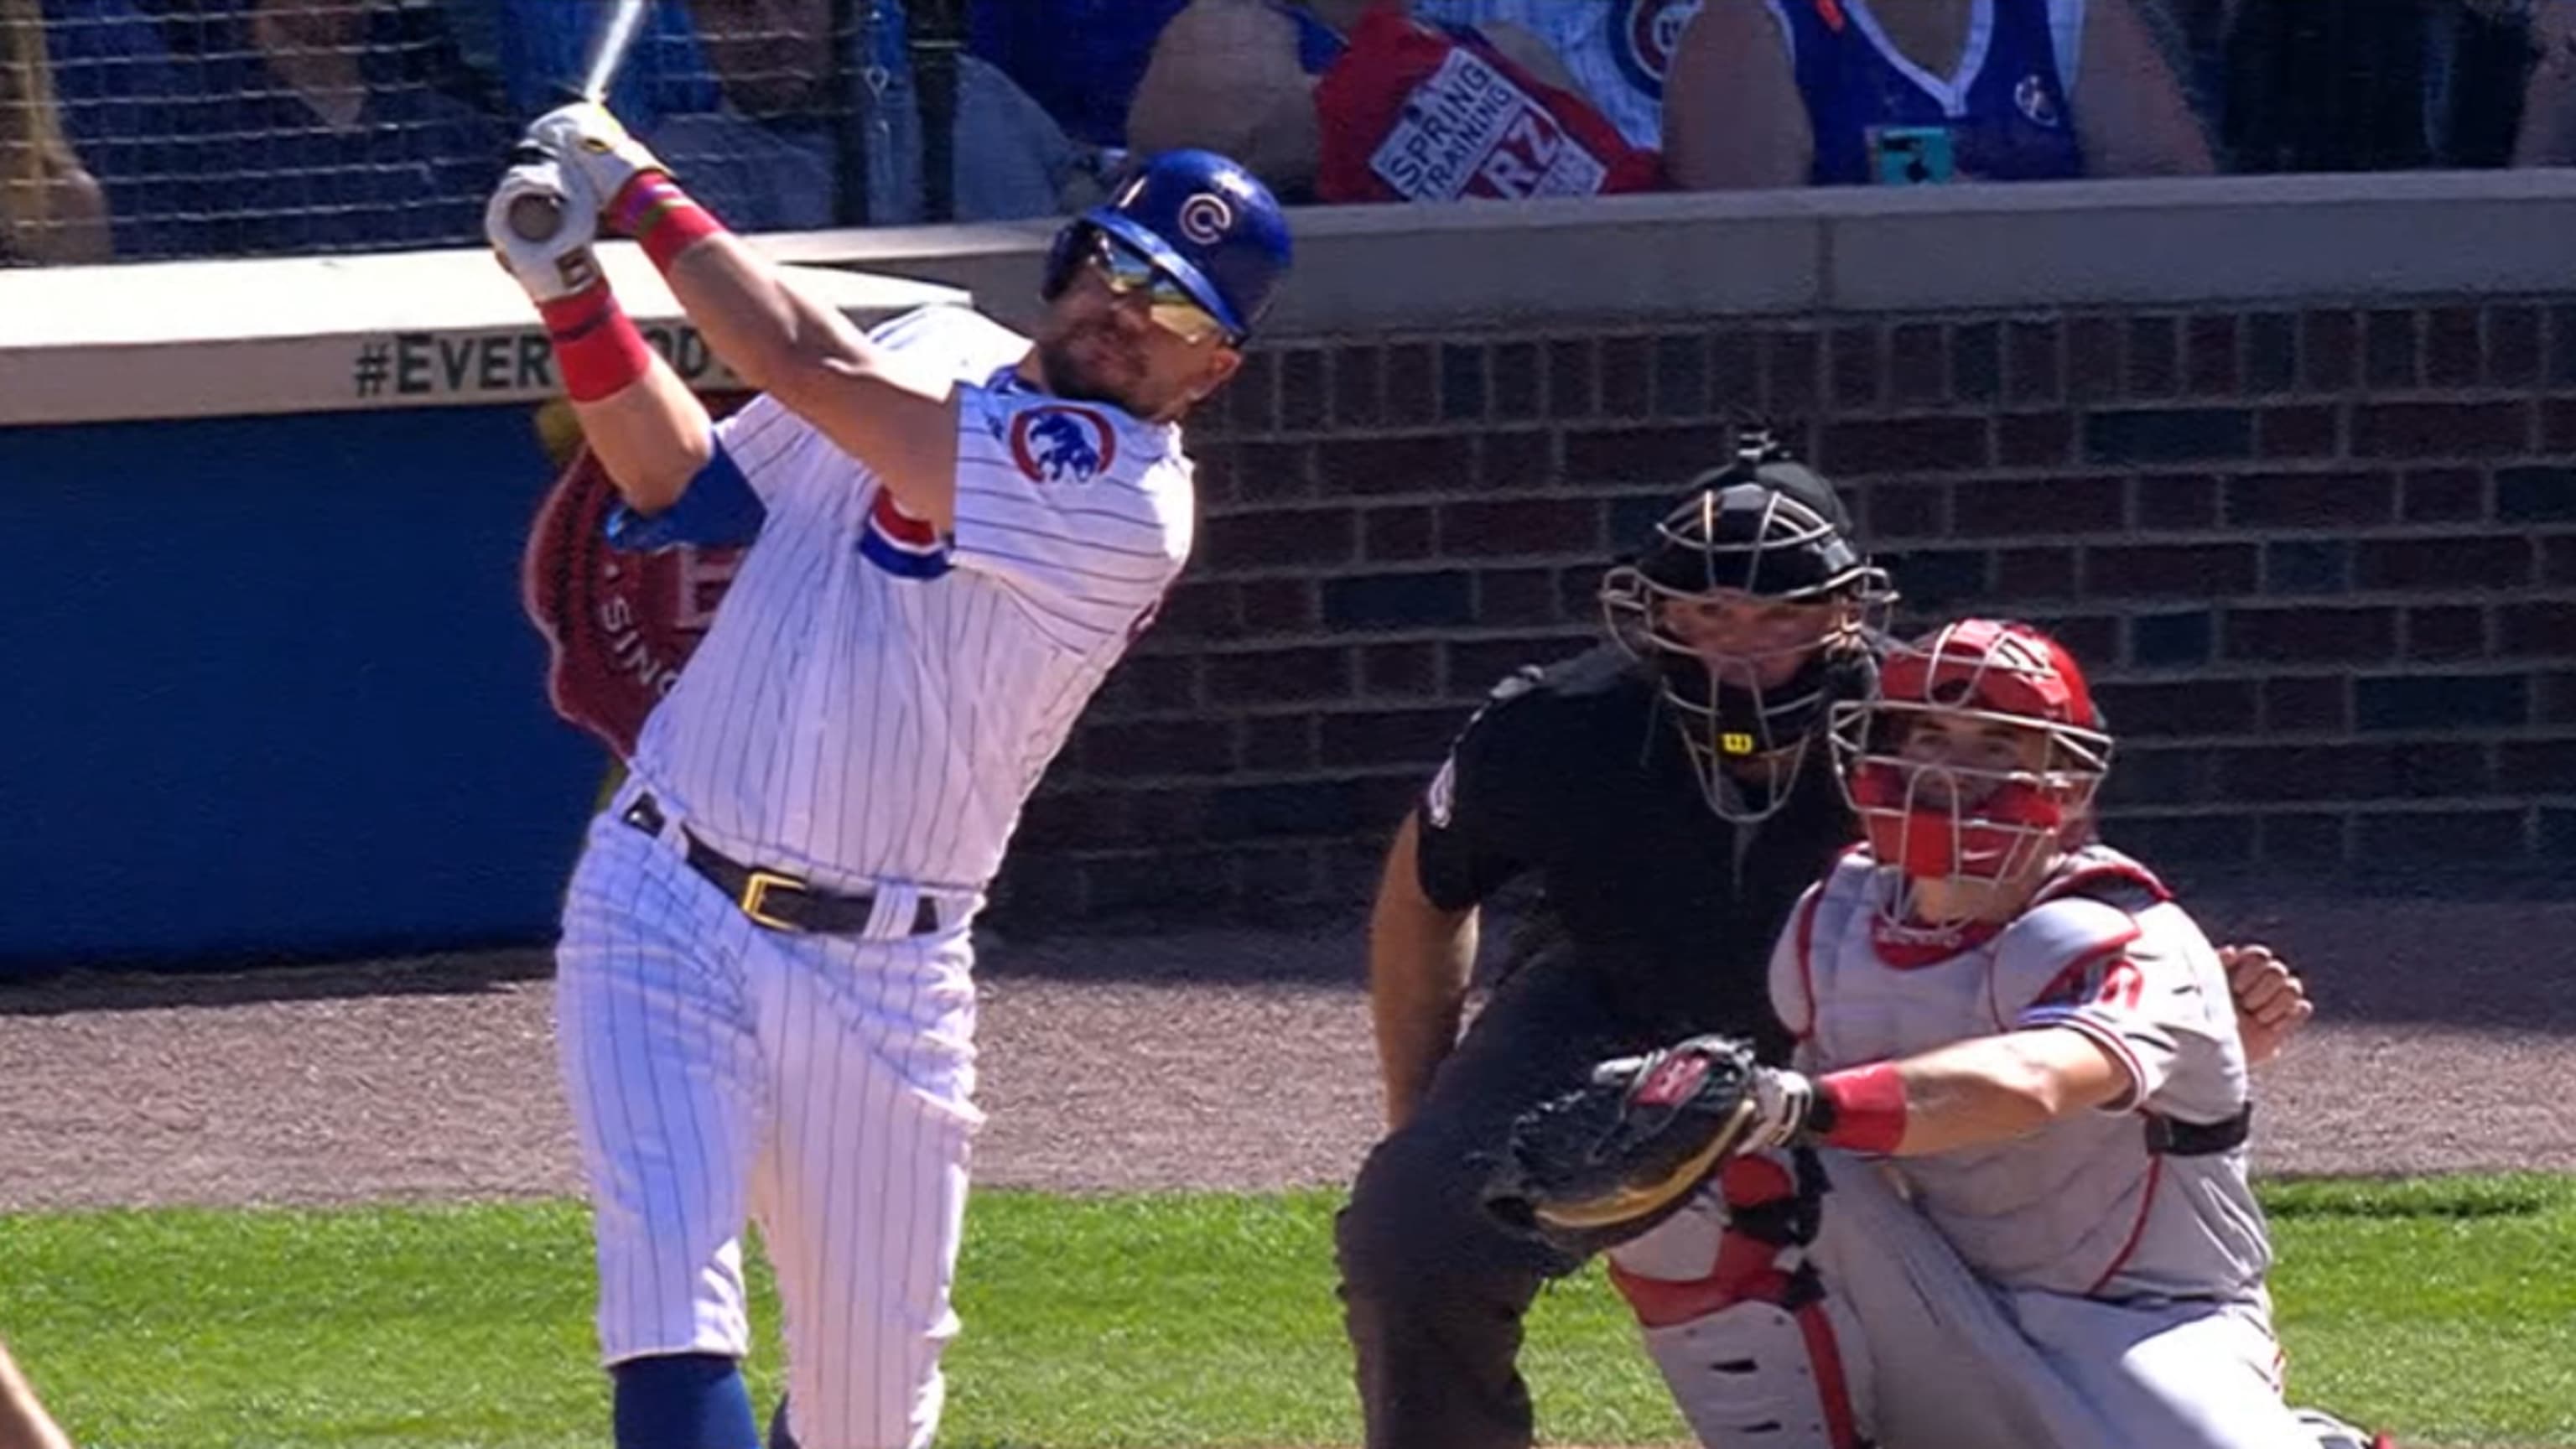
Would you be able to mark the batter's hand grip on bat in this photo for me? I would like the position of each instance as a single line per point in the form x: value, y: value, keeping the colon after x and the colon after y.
x: 537, y: 214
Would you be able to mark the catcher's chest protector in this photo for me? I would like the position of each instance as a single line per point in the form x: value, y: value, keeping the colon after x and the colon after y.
x: 2089, y: 1204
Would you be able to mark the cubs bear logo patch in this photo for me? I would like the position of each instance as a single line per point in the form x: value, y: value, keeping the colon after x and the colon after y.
x: 1062, y: 444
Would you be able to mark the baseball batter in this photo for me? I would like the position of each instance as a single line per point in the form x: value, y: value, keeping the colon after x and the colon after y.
x: 2030, y: 1222
x: 764, y: 1007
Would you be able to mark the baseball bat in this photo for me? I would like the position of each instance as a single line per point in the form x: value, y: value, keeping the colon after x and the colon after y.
x: 536, y: 215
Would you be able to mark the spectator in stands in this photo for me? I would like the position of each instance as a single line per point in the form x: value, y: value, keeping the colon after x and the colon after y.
x: 1238, y: 77
x: 326, y: 125
x: 1614, y: 52
x: 250, y: 127
x: 740, y: 95
x: 763, y: 144
x: 2548, y: 122
x: 51, y: 209
x: 117, y: 88
x: 1080, y: 60
x: 2191, y: 35
x: 1902, y: 92
x: 744, y: 98
x: 1245, y: 77
x: 2377, y: 85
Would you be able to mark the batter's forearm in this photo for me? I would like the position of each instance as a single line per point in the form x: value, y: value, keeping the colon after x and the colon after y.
x: 823, y: 369
x: 772, y: 336
x: 652, y: 437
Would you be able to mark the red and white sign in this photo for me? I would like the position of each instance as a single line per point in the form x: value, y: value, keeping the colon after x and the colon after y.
x: 1415, y: 113
x: 1471, y: 132
x: 618, y: 626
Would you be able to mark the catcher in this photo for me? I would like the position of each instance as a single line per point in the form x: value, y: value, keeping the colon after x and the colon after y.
x: 1670, y: 792
x: 2001, y: 1200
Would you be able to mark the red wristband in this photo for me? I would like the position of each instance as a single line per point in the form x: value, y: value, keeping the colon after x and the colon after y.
x: 597, y: 348
x: 1868, y: 1108
x: 662, y: 218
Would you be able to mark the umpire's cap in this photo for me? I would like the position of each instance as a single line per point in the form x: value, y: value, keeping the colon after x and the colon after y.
x: 1204, y: 220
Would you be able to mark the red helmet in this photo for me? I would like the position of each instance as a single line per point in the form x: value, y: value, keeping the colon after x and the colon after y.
x: 1935, y: 819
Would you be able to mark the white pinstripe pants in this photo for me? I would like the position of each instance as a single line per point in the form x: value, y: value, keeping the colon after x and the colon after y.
x: 821, y: 1085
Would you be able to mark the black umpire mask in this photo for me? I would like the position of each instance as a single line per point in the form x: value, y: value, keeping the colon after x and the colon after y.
x: 1763, y: 530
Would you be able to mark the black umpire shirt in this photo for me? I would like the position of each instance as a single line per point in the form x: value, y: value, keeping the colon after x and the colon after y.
x: 1575, y: 775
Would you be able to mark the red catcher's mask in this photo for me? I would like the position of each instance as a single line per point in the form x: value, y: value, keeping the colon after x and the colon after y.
x: 1935, y: 820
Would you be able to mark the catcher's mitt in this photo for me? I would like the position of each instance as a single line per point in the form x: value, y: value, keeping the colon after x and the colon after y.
x: 1611, y: 1159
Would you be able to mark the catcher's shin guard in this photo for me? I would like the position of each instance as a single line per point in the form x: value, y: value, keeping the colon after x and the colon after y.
x: 1736, y: 1319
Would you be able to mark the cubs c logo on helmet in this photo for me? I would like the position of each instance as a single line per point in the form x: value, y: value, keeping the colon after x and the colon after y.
x: 1206, y: 217
x: 1062, y: 444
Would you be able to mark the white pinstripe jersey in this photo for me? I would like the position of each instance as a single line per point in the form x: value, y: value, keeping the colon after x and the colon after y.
x: 2082, y: 1206
x: 874, y: 702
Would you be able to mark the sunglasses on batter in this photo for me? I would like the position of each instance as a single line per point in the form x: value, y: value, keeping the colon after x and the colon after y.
x: 1126, y: 272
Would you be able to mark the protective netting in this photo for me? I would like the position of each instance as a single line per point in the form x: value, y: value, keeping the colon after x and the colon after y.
x: 141, y: 129
x: 151, y: 129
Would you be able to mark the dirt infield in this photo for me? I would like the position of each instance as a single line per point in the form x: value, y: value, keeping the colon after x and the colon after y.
x: 1190, y: 1059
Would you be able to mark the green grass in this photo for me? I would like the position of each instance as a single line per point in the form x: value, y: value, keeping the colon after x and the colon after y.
x: 2442, y: 1309
x: 2445, y: 1310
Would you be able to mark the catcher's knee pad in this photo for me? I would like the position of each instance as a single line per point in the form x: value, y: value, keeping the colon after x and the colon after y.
x: 1734, y: 1316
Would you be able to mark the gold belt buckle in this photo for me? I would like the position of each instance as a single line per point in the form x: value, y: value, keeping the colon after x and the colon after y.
x: 755, y: 898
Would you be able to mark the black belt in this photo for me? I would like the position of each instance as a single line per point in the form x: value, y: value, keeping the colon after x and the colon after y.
x: 2169, y: 1138
x: 779, y: 902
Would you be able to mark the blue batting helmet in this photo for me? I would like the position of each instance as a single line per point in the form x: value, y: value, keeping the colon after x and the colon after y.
x: 1204, y: 220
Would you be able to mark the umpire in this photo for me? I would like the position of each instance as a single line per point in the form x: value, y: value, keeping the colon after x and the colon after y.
x: 1660, y: 791
x: 1747, y: 615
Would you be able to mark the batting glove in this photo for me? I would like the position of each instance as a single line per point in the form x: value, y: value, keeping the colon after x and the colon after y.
x: 584, y: 137
x: 553, y: 265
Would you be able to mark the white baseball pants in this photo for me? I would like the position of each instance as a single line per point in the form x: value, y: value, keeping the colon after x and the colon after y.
x: 717, y: 1071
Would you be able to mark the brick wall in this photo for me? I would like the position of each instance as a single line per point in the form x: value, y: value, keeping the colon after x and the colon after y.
x: 2322, y: 563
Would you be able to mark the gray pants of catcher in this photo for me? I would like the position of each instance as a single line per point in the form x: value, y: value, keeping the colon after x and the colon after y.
x: 1936, y: 1357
